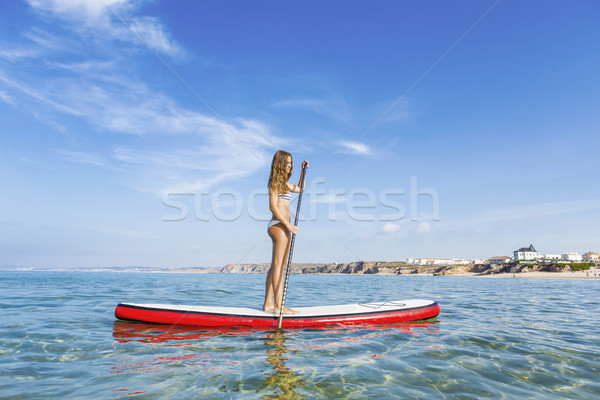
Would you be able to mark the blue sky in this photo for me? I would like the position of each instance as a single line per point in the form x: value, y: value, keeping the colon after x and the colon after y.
x: 141, y: 132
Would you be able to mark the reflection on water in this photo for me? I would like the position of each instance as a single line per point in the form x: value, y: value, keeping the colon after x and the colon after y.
x: 170, y: 335
x: 279, y: 382
x: 282, y: 380
x: 209, y: 361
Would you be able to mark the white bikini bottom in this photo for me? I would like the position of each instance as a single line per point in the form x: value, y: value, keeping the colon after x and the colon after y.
x: 272, y: 222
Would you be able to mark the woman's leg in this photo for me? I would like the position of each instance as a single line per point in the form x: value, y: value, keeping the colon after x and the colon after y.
x: 277, y: 235
x: 279, y: 284
x: 269, y: 287
x: 274, y: 284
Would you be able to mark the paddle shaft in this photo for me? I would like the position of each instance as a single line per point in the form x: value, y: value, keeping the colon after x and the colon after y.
x: 289, y: 260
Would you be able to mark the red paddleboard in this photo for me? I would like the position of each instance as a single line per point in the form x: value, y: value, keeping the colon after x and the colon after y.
x: 348, y: 314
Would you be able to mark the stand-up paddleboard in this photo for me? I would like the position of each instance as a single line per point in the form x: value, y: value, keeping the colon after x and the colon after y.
x: 349, y: 314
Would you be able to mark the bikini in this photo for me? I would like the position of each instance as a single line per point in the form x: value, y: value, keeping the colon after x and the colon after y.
x: 284, y: 196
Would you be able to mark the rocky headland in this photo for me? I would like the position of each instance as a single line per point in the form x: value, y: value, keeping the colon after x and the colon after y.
x: 401, y: 268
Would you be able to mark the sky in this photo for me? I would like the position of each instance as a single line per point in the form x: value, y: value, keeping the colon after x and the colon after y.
x: 141, y: 133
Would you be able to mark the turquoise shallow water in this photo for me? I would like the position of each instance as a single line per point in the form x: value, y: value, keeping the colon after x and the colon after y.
x: 498, y: 338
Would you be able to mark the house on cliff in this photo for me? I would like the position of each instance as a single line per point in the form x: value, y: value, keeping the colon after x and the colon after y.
x: 526, y: 254
x: 591, y: 256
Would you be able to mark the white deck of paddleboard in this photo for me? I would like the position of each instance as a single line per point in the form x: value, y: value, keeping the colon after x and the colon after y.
x: 361, y: 308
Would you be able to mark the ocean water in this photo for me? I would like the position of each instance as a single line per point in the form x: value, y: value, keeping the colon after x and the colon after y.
x: 496, y: 338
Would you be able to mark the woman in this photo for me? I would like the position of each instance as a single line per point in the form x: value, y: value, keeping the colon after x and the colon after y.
x: 280, y: 229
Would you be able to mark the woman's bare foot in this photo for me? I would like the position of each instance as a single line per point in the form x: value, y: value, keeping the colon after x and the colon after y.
x: 286, y: 311
x: 270, y: 309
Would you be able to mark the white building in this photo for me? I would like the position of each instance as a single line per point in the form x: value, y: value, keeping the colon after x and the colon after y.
x: 526, y: 254
x: 571, y: 256
x: 499, y: 259
x: 591, y: 256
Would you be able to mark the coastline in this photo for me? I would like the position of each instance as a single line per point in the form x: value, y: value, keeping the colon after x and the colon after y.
x: 382, y: 268
x: 588, y: 274
x: 527, y: 275
x: 536, y: 275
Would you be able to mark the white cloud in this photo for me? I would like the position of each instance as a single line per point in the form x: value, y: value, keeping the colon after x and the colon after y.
x: 193, y: 162
x: 83, y: 67
x: 40, y: 43
x: 29, y: 93
x: 111, y: 19
x: 153, y: 33
x: 83, y: 8
x: 390, y: 227
x: 423, y: 227
x: 84, y: 14
x: 355, y: 147
x: 43, y: 39
x: 15, y: 54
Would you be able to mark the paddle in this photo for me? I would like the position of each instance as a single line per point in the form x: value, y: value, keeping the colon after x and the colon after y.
x: 289, y: 261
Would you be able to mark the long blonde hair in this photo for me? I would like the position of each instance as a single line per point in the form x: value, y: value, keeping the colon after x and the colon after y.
x: 279, y: 176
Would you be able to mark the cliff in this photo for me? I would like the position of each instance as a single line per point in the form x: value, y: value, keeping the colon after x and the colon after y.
x: 359, y: 267
x: 401, y: 268
x: 506, y: 268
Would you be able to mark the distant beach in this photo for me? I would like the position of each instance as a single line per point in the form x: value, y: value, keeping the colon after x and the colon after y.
x: 589, y: 274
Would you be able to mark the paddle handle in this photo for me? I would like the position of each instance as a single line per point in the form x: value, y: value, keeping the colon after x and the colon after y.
x: 289, y: 261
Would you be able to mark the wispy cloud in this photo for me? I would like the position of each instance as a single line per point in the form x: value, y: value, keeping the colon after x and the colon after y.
x: 6, y: 98
x: 354, y: 148
x: 29, y: 94
x: 80, y: 157
x: 96, y: 82
x: 330, y: 108
x: 108, y: 17
x: 43, y: 39
x: 84, y: 66
x: 199, y: 160
x: 154, y: 35
x: 390, y: 227
x: 89, y: 10
x: 13, y: 53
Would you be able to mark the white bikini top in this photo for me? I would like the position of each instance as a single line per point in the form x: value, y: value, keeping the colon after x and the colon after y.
x: 285, y: 196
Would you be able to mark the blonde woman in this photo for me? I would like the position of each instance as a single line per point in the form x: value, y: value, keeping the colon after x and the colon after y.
x: 280, y: 229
